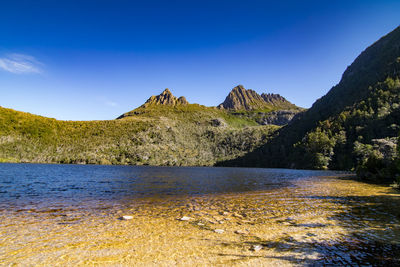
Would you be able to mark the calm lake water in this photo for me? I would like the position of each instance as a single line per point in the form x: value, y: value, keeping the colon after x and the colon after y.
x: 50, y: 184
x: 68, y: 215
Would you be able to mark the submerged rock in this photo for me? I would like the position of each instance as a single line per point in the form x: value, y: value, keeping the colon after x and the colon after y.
x: 256, y: 248
x: 237, y: 215
x: 241, y: 232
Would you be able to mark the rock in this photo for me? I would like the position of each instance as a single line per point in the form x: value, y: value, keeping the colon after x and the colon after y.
x: 241, y: 232
x: 256, y: 248
x: 126, y: 217
x: 182, y: 101
x: 196, y: 208
x: 237, y: 215
x: 200, y: 224
x: 185, y: 218
x: 279, y: 117
x: 219, y: 231
x: 218, y: 218
x: 218, y: 122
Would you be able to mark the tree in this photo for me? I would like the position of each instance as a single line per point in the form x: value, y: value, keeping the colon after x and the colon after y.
x: 378, y: 161
x: 318, y: 148
x: 398, y: 161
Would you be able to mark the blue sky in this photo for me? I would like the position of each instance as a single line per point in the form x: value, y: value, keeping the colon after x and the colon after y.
x: 95, y: 60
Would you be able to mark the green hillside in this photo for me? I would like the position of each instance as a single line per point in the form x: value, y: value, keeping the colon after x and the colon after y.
x: 188, y: 134
x: 356, y: 121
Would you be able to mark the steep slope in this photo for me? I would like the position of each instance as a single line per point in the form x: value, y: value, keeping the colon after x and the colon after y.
x: 240, y: 98
x: 364, y: 106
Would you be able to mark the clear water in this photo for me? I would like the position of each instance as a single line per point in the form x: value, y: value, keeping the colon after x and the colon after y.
x: 47, y: 184
x: 68, y: 215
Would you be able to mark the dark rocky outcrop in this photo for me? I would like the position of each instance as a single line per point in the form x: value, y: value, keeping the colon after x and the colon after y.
x: 218, y: 122
x: 279, y: 117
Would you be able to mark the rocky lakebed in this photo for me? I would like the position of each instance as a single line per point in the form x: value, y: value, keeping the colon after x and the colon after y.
x: 312, y: 221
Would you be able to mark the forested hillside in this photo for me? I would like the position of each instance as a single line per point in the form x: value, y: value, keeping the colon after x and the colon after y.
x: 355, y: 126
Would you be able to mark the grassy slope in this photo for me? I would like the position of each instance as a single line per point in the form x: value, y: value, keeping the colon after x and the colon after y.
x: 157, y: 136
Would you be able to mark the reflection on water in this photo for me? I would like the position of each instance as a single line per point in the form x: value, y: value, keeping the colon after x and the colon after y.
x: 68, y: 215
x: 27, y: 184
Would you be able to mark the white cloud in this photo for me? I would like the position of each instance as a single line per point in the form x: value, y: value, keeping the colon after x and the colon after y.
x: 20, y: 64
x: 111, y: 104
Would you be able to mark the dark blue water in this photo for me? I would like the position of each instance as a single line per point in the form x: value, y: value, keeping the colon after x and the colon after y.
x: 39, y: 184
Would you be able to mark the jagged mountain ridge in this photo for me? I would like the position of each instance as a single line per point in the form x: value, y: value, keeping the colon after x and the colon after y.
x: 274, y: 99
x: 264, y: 109
x: 240, y: 98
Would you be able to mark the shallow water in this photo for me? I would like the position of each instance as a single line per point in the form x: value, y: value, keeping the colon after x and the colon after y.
x: 68, y: 215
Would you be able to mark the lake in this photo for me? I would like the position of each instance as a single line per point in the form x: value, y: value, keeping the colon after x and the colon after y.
x: 70, y: 215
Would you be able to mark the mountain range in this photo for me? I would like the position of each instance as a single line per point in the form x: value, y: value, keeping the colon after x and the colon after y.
x: 165, y: 130
x: 355, y: 124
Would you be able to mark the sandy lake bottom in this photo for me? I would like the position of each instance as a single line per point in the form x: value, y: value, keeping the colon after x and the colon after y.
x: 313, y: 221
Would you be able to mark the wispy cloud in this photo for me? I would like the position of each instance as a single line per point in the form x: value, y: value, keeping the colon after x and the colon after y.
x: 20, y: 64
x: 111, y: 104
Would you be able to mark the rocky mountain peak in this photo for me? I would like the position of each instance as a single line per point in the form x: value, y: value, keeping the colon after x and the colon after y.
x: 165, y: 98
x: 240, y: 98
